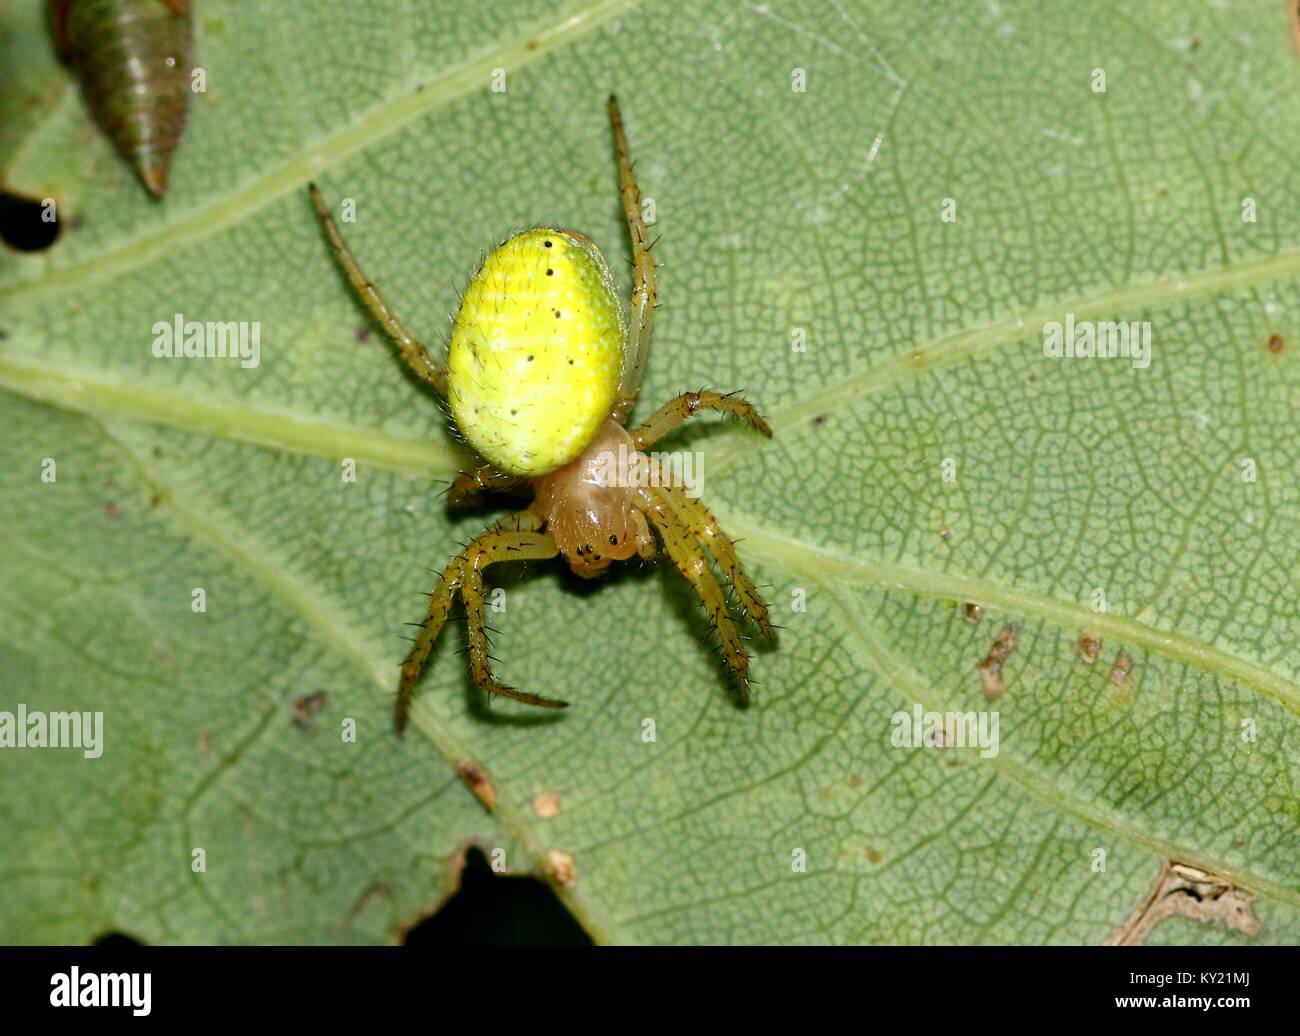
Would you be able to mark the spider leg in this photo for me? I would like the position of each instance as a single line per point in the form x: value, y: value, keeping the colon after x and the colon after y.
x: 692, y: 563
x: 511, y: 539
x: 484, y: 551
x: 480, y: 480
x: 439, y: 606
x: 643, y: 275
x: 675, y: 411
x: 646, y: 546
x: 417, y: 356
x: 705, y: 528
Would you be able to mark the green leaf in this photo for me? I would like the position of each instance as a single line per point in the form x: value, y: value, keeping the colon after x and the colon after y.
x: 808, y: 217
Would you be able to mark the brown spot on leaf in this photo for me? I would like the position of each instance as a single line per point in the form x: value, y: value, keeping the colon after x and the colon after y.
x: 478, y: 783
x: 1181, y: 890
x: 111, y: 509
x: 306, y: 707
x: 1119, y: 672
x: 561, y: 868
x: 1089, y: 646
x: 872, y: 854
x: 1276, y: 343
x: 991, y: 667
x: 972, y: 611
x: 547, y: 804
x: 945, y: 535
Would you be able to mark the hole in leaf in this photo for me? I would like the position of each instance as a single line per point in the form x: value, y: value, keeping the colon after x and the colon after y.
x: 116, y: 940
x: 498, y: 910
x: 23, y: 224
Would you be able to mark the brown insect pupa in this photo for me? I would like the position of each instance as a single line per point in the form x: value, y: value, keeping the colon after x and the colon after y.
x: 133, y: 59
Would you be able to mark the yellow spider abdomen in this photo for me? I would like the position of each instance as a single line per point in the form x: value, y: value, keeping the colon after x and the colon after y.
x: 536, y: 352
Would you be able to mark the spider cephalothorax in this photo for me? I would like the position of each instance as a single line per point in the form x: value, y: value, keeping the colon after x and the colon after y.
x: 542, y: 372
x: 592, y: 517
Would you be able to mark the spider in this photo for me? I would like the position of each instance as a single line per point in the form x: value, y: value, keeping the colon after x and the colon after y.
x: 542, y: 372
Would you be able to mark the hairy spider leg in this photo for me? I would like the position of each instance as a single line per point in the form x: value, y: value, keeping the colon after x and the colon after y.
x: 644, y: 294
x: 692, y: 563
x: 480, y: 480
x: 510, y: 539
x: 675, y: 411
x: 704, y: 527
x: 417, y: 356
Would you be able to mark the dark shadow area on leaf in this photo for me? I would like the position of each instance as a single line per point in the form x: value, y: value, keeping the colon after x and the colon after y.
x: 495, y: 910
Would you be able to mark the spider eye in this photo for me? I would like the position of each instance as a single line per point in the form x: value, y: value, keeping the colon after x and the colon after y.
x: 613, y: 540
